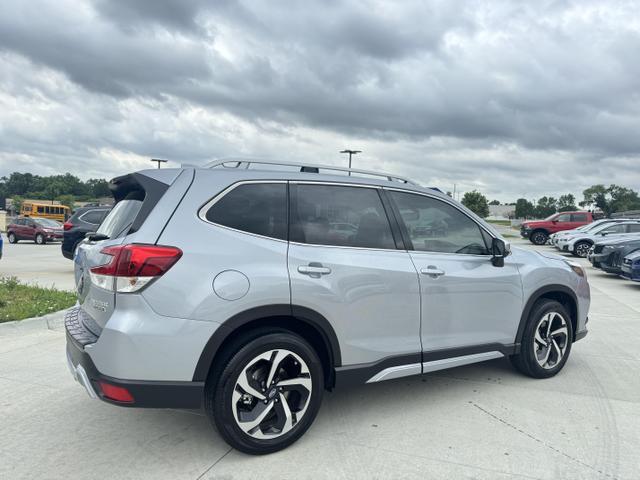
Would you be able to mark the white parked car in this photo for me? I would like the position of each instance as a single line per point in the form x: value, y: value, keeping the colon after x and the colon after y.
x: 579, y: 243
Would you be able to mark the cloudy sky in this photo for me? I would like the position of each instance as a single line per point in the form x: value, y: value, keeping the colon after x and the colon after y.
x: 511, y: 98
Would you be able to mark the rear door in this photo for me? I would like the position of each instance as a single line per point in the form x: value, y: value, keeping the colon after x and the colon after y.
x: 466, y: 301
x: 355, y: 277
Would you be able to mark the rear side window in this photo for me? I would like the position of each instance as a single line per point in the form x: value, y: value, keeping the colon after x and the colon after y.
x: 341, y: 216
x: 578, y: 217
x: 258, y: 208
x: 120, y: 218
x: 634, y: 227
x: 93, y: 216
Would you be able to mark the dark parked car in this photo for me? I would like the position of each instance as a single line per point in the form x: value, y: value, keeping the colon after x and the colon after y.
x: 40, y: 230
x: 83, y: 221
x: 631, y: 266
x: 608, y: 254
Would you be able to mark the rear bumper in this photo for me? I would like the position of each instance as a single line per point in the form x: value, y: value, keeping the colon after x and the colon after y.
x: 145, y: 393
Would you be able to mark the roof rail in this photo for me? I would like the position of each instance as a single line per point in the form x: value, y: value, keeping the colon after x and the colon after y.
x: 242, y: 162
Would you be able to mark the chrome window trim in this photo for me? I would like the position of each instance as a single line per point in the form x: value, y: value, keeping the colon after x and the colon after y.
x: 435, y: 197
x: 202, y: 211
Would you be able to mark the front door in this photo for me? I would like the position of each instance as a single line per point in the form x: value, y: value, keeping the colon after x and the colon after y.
x: 343, y: 263
x: 467, y: 303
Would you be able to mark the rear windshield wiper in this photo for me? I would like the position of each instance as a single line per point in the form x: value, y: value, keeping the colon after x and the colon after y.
x: 96, y: 237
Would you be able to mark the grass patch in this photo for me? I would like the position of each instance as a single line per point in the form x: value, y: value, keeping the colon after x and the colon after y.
x: 19, y: 301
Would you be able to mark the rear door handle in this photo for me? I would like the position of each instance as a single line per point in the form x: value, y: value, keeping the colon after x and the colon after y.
x: 432, y: 271
x: 315, y: 270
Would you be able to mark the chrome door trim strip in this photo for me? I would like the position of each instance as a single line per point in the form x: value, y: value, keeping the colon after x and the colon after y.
x: 397, y: 372
x: 435, y: 365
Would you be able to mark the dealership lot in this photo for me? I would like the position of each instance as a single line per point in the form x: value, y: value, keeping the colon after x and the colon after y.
x: 479, y: 421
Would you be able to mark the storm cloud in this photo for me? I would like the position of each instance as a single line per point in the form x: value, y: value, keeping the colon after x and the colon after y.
x: 512, y: 98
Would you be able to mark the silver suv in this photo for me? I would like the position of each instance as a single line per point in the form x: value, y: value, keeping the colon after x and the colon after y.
x: 249, y: 288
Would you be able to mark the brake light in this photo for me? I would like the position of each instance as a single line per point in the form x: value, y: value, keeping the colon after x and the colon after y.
x: 113, y: 392
x: 67, y: 225
x: 133, y: 266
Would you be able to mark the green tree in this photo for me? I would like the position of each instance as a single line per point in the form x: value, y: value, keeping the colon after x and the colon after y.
x: 611, y: 199
x: 68, y: 200
x: 16, y: 203
x: 476, y: 202
x: 98, y: 187
x: 546, y: 206
x: 494, y: 202
x: 567, y: 203
x: 524, y: 208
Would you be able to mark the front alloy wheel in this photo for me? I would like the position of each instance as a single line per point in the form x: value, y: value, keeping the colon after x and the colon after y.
x: 582, y: 249
x: 539, y: 238
x: 546, y: 340
x: 550, y: 340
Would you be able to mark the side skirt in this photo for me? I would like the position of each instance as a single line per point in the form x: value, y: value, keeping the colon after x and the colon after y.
x: 418, y: 363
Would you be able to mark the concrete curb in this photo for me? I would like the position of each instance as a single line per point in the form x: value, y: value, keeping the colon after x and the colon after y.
x: 50, y: 321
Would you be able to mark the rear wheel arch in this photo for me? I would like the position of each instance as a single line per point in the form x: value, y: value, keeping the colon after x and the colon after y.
x: 304, y: 322
x: 560, y: 293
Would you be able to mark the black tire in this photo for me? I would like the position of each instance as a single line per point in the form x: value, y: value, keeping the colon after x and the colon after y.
x: 40, y: 240
x: 12, y: 237
x: 539, y: 237
x: 221, y: 385
x: 526, y: 361
x: 581, y: 249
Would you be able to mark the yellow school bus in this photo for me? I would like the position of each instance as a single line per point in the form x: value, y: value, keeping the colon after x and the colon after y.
x: 45, y: 210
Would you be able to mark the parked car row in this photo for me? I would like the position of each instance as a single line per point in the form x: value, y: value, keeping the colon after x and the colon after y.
x: 539, y: 231
x: 612, y: 245
x: 44, y: 230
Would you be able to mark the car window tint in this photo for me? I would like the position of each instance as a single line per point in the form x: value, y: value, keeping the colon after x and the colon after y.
x: 341, y: 216
x: 634, y: 227
x: 615, y: 229
x: 259, y: 208
x: 565, y: 217
x: 578, y: 217
x: 93, y: 216
x: 436, y: 226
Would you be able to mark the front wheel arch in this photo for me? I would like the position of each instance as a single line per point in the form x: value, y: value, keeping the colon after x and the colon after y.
x: 560, y: 293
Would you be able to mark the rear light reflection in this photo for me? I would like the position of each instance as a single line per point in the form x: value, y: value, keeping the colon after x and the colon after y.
x: 115, y: 393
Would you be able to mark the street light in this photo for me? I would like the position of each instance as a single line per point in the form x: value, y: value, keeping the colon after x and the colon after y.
x: 159, y: 160
x: 350, y: 152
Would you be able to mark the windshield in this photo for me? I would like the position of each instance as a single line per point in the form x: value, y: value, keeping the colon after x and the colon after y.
x: 120, y: 218
x: 45, y: 222
x: 550, y: 217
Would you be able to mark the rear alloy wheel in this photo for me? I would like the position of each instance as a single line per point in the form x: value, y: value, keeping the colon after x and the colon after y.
x: 12, y: 238
x: 539, y: 237
x: 268, y: 395
x: 581, y: 249
x: 546, y: 341
x: 40, y: 239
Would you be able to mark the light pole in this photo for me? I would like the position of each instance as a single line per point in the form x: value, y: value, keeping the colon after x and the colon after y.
x: 159, y: 160
x: 350, y: 152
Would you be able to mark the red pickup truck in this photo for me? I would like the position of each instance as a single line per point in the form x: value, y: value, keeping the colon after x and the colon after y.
x: 538, y: 231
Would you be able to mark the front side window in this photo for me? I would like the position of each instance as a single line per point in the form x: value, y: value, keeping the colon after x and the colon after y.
x: 634, y: 228
x: 565, y: 217
x: 340, y: 216
x: 614, y: 229
x: 436, y: 226
x: 258, y: 208
x: 578, y: 217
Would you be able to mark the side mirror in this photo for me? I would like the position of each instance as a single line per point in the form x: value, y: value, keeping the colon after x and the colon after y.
x: 499, y: 250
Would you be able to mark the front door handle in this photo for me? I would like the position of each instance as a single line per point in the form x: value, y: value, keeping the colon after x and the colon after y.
x: 315, y: 270
x: 432, y: 271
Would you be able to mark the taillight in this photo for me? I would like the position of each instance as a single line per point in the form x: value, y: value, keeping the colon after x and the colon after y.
x: 133, y: 266
x: 67, y: 225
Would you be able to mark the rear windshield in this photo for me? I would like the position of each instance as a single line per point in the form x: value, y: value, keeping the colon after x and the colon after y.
x: 120, y: 218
